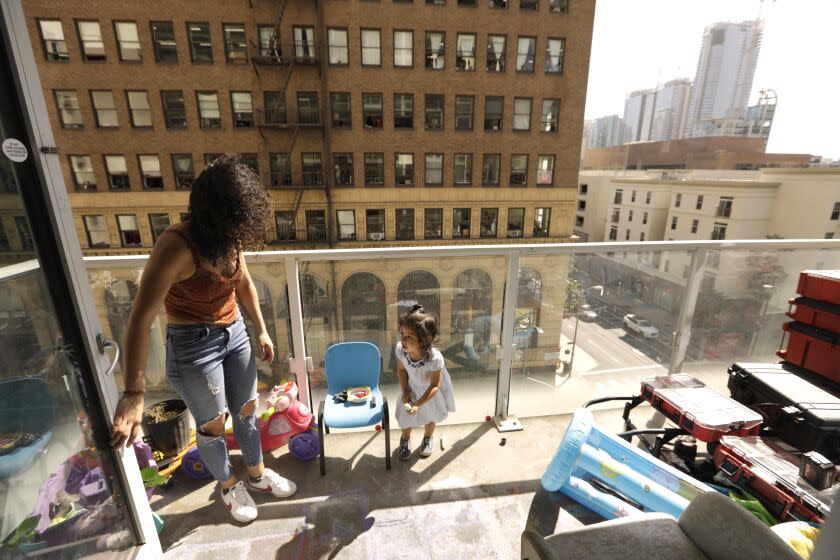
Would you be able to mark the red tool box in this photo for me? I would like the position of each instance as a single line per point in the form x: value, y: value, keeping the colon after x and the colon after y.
x: 699, y: 410
x: 823, y: 285
x: 817, y: 350
x: 769, y: 469
x: 815, y: 313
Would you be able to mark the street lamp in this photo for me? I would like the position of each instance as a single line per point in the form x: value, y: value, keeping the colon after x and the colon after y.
x: 766, y: 297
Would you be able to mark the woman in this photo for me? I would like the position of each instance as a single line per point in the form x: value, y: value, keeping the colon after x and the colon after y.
x: 197, y: 271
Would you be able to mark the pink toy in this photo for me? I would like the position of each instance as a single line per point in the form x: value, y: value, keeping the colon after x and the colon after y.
x: 287, y: 420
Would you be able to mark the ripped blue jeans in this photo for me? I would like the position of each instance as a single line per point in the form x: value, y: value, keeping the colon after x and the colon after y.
x: 213, y: 369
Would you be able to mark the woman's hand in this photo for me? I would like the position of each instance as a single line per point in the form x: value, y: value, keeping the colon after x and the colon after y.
x: 266, y: 348
x: 127, y: 420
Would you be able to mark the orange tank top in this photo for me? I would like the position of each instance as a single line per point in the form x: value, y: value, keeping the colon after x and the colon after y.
x: 207, y: 297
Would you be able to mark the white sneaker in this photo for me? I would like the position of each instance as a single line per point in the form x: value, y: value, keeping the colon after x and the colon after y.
x: 273, y: 483
x: 240, y: 504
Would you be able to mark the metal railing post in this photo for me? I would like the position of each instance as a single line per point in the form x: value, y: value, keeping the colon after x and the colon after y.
x: 505, y: 422
x: 682, y: 334
x: 298, y: 342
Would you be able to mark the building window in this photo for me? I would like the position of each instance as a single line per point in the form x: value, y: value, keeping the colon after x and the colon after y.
x: 465, y: 52
x: 559, y: 6
x: 463, y: 169
x: 105, y: 109
x: 274, y: 103
x: 434, y: 112
x: 496, y: 54
x: 829, y: 235
x: 525, y: 50
x: 515, y: 222
x: 581, y: 205
x: 316, y: 225
x: 83, y: 174
x: 433, y: 223
x: 584, y: 188
x: 163, y: 39
x: 308, y: 110
x: 647, y: 198
x: 493, y: 108
x: 404, y: 169
x: 518, y: 169
x: 677, y: 200
x: 488, y: 227
x: 699, y: 202
x: 719, y: 231
x: 129, y: 230
x: 158, y: 224
x: 490, y: 169
x: 346, y: 222
x: 460, y: 222
x: 304, y: 42
x: 208, y: 109
x: 616, y: 215
x: 627, y: 235
x: 835, y: 212
x: 694, y: 225
x: 435, y: 50
x: 284, y: 221
x: 498, y: 3
x: 619, y: 195
x: 150, y: 175
x: 644, y: 218
x: 464, y: 112
x: 642, y: 236
x: 343, y: 169
x: 554, y: 56
x: 403, y: 49
x: 521, y: 113
x: 550, y: 119
x: 674, y: 222
x: 182, y: 166
x: 90, y: 36
x: 97, y: 231
x: 117, y: 171
x: 545, y: 170
x: 312, y: 173
x: 174, y: 109
x: 434, y: 169
x: 633, y: 196
x: 374, y: 169
x: 128, y: 41
x: 405, y: 223
x: 69, y: 111
x: 337, y: 39
x: 613, y: 233
x: 269, y: 37
x: 579, y: 221
x: 236, y: 47
x: 280, y: 169
x: 403, y: 110
x: 630, y: 216
x: 140, y: 109
x: 52, y: 40
x: 375, y: 224
x: 251, y: 161
x: 201, y: 49
x: 371, y: 47
x: 340, y: 108
x: 528, y: 4
x: 242, y: 107
x: 372, y: 110
x: 542, y: 222
x: 724, y: 209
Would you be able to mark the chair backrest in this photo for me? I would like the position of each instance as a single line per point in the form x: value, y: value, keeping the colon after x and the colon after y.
x: 352, y: 364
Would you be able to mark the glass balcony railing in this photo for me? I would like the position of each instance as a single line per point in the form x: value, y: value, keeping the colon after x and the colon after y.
x: 557, y: 336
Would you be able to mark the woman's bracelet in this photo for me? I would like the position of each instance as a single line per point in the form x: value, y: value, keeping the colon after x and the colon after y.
x: 127, y: 392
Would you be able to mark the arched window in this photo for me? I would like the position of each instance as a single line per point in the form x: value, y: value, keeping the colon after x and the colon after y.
x: 363, y: 307
x: 528, y: 305
x: 472, y: 302
x: 419, y: 286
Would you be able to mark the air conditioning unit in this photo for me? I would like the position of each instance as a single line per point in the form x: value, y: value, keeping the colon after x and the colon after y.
x: 376, y: 236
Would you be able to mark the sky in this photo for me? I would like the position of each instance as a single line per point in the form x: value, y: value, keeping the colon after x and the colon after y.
x: 638, y: 44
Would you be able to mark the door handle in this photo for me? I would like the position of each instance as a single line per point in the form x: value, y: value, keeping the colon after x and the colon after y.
x: 103, y: 344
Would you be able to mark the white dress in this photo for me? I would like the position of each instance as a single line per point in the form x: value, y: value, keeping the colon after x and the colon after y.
x: 438, y: 408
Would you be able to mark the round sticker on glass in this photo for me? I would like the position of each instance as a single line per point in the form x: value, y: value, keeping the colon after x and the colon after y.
x: 15, y: 150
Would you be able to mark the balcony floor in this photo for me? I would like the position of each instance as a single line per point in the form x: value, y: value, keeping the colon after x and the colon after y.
x: 471, y: 500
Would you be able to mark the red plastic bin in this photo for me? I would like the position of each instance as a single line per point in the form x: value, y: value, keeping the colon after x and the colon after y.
x: 822, y: 285
x: 814, y: 349
x: 815, y: 313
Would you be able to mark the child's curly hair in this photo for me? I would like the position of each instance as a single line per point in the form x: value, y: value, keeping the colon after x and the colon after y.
x: 424, y: 326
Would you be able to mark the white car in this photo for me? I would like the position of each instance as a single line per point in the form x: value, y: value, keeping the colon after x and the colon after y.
x: 641, y: 326
x: 587, y: 313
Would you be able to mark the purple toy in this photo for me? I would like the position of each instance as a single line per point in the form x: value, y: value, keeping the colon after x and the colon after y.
x: 305, y: 446
x: 93, y: 489
x: 145, y: 459
x: 194, y: 466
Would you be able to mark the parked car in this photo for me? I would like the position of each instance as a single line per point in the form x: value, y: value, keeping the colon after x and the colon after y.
x: 587, y: 313
x: 640, y: 326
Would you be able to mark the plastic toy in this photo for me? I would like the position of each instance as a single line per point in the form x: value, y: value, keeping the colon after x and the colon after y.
x: 589, y: 457
x: 290, y: 422
x: 194, y: 466
x: 358, y: 395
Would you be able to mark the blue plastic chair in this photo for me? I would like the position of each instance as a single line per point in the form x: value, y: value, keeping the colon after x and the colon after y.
x: 26, y: 405
x: 353, y: 364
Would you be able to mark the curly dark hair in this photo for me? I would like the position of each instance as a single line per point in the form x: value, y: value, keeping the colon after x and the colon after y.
x: 424, y: 325
x: 229, y: 208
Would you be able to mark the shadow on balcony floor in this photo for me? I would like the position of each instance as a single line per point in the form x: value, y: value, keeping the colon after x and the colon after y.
x: 471, y: 500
